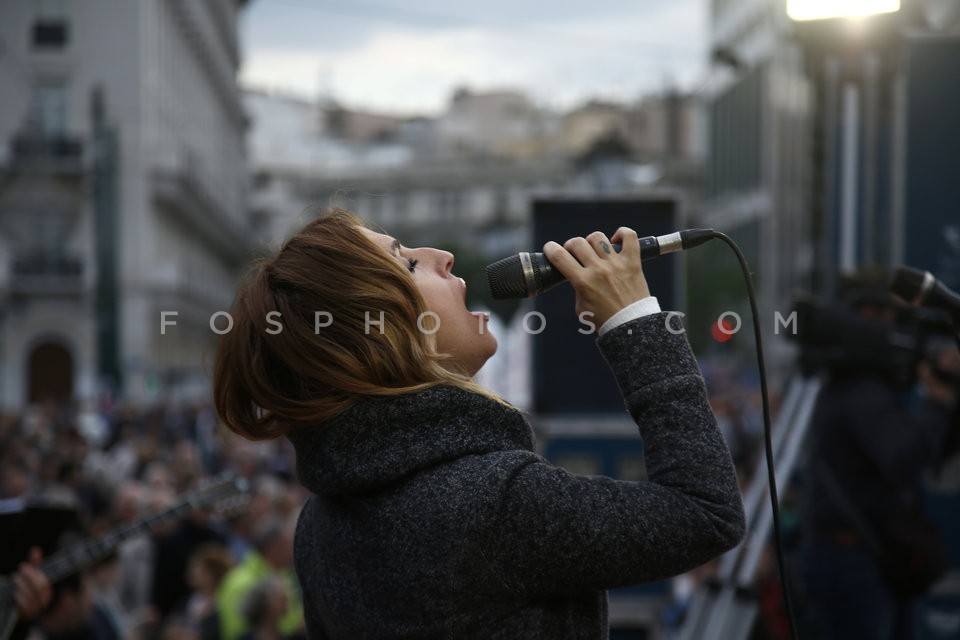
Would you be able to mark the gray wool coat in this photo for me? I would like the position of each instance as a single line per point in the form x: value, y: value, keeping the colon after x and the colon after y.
x: 432, y: 517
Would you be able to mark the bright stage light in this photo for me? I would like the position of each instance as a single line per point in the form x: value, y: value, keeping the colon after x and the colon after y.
x: 822, y: 9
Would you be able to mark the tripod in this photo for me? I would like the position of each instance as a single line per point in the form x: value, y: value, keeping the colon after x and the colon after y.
x: 725, y: 608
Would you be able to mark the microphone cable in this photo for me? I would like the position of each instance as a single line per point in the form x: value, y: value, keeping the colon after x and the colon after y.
x: 767, y: 436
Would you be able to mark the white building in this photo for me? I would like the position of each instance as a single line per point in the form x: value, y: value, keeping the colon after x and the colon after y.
x: 499, y: 123
x: 471, y: 172
x: 103, y: 228
x: 301, y: 166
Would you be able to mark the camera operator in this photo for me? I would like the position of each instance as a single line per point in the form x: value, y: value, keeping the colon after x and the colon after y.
x: 874, y: 431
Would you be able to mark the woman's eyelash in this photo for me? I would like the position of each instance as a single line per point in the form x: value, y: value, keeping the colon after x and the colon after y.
x: 412, y: 264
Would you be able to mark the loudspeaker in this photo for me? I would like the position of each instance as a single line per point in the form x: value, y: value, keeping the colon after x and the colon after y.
x: 569, y: 374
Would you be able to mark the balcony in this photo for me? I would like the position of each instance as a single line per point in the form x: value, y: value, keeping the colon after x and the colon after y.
x: 46, y: 276
x: 62, y: 154
x: 186, y: 194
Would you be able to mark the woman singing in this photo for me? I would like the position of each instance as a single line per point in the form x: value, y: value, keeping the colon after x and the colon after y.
x: 431, y: 516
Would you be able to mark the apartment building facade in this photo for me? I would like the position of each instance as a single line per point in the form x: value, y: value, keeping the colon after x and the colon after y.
x: 123, y: 195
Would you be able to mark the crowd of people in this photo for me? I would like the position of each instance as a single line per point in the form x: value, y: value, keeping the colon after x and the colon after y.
x: 220, y: 571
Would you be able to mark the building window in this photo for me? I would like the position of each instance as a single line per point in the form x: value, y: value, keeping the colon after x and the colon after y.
x: 49, y: 108
x: 51, y: 29
x: 736, y: 136
x: 501, y: 205
x: 401, y: 204
x: 454, y: 208
x: 375, y: 206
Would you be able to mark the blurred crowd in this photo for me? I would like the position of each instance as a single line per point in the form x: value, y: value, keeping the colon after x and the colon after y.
x: 222, y: 571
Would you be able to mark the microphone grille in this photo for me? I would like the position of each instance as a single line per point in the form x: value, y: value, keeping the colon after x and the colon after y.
x: 505, y: 278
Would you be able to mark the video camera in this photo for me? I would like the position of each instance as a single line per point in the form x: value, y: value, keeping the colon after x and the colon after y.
x: 839, y: 340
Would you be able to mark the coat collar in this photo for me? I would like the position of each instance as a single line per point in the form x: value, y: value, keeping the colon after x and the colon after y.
x: 381, y: 440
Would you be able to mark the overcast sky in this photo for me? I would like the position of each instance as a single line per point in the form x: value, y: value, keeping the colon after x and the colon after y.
x: 407, y: 56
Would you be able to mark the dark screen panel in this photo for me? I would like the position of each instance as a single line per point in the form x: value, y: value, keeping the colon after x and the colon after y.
x: 569, y: 374
x: 932, y: 224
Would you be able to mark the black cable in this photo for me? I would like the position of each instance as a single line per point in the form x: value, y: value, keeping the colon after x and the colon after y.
x: 767, y: 437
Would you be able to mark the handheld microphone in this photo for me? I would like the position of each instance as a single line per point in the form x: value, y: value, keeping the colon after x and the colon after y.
x: 921, y: 289
x: 526, y: 275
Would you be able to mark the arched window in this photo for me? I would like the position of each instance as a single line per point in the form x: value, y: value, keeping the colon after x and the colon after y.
x: 50, y: 373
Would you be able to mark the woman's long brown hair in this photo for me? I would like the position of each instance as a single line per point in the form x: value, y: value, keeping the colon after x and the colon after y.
x: 264, y: 384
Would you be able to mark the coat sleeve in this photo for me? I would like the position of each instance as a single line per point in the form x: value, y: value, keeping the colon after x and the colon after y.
x: 557, y: 532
